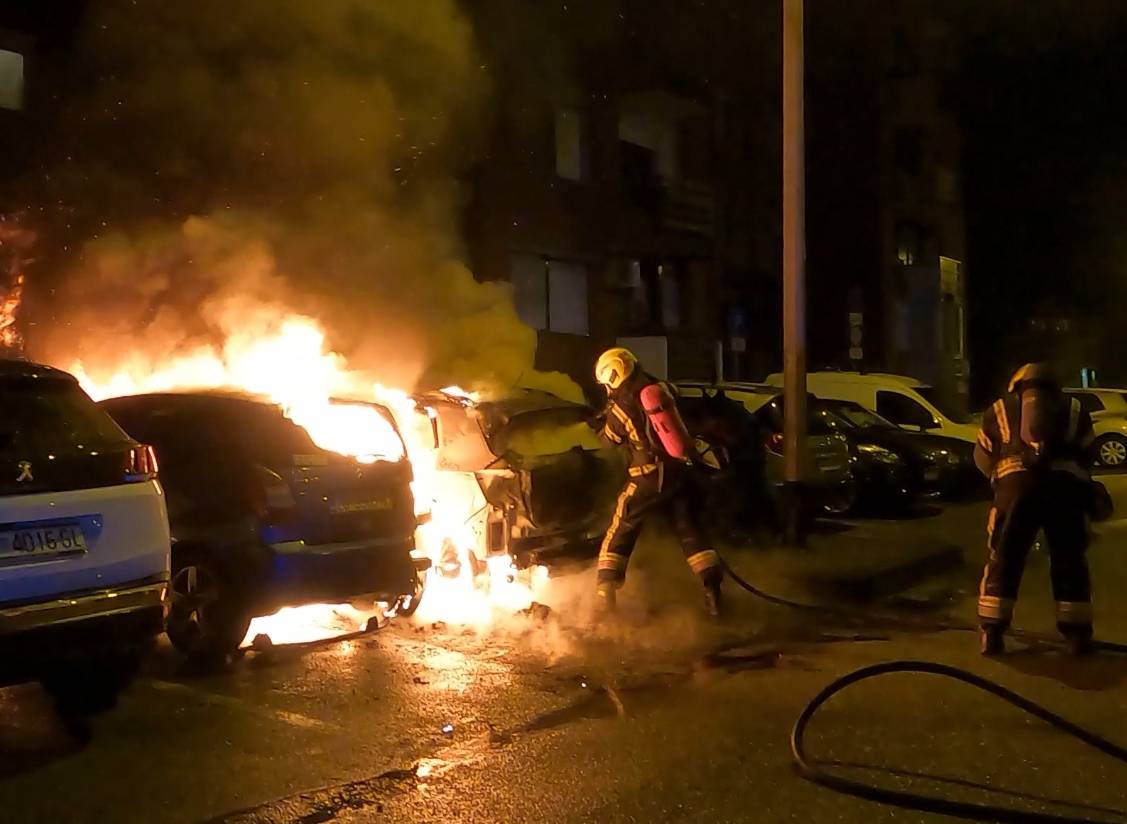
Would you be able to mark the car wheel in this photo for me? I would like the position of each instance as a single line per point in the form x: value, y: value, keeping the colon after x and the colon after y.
x: 206, y: 617
x: 92, y: 685
x: 843, y: 502
x: 407, y: 604
x: 1111, y: 451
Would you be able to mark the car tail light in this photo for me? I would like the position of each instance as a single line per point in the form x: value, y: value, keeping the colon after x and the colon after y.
x: 140, y: 464
x: 270, y: 496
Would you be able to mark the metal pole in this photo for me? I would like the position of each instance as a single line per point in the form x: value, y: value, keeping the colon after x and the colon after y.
x: 794, y: 268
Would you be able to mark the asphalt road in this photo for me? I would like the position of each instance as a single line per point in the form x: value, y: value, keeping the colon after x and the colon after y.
x: 658, y: 716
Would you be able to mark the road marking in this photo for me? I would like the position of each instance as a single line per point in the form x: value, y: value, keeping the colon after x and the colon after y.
x: 294, y: 719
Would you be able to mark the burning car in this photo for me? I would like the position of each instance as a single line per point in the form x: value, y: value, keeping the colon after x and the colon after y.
x: 522, y: 476
x: 263, y: 518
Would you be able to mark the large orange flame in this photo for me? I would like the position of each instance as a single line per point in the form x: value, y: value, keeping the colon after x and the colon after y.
x: 285, y: 358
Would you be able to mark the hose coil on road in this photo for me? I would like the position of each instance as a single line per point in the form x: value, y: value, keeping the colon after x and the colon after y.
x: 917, y: 801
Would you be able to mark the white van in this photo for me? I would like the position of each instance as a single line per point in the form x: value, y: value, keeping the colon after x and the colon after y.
x: 907, y: 402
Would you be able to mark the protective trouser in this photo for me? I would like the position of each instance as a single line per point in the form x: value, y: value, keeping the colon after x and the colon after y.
x: 1024, y: 503
x: 668, y: 491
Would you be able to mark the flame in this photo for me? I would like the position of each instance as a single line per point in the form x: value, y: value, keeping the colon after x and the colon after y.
x: 10, y: 337
x: 285, y: 358
x: 312, y: 622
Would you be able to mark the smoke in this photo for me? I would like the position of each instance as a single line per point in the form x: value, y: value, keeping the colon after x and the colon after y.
x: 224, y: 161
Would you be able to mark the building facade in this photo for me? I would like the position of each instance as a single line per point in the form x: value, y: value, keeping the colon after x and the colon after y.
x: 886, y: 232
x: 605, y: 215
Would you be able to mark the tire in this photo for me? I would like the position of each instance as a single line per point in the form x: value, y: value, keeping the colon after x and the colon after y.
x: 843, y: 503
x: 1111, y: 451
x: 207, y: 619
x: 408, y: 604
x: 91, y: 686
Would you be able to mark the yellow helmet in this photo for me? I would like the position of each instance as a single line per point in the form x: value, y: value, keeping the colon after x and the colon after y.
x: 1031, y: 373
x: 614, y: 366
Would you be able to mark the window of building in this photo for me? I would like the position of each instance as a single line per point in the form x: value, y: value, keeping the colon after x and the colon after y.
x: 639, y: 172
x: 573, y: 145
x: 669, y: 285
x: 909, y: 243
x: 550, y: 294
x: 694, y: 149
x: 11, y: 80
x: 904, y: 411
x: 909, y: 151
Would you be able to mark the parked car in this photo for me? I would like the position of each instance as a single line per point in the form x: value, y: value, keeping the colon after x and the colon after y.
x: 263, y: 518
x: 1108, y: 408
x: 527, y: 475
x: 830, y: 479
x: 936, y: 465
x: 84, y: 542
x: 906, y: 402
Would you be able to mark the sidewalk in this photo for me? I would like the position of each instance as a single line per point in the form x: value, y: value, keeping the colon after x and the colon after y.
x: 862, y: 562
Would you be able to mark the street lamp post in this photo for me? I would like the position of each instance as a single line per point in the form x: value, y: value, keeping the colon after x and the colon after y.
x: 794, y: 269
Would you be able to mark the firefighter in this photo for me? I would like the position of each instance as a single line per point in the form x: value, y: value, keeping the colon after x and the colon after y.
x: 642, y: 417
x: 1035, y: 447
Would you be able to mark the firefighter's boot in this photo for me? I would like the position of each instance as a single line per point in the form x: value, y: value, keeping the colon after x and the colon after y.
x: 713, y: 601
x: 991, y: 640
x: 606, y: 595
x: 1079, y: 645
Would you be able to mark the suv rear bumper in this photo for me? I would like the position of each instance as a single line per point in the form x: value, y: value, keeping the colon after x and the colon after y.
x: 36, y: 636
x: 299, y: 573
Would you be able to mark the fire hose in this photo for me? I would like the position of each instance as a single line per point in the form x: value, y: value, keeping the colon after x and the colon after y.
x: 917, y: 801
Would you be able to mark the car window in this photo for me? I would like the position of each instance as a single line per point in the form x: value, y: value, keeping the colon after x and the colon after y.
x: 858, y: 416
x: 43, y: 415
x: 903, y: 411
x: 263, y: 432
x: 1089, y: 401
x: 936, y: 399
x: 816, y: 422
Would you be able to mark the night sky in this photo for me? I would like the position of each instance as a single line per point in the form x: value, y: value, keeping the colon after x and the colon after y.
x: 1045, y: 166
x: 1045, y: 135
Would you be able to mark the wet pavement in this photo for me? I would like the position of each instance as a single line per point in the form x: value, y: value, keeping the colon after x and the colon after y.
x: 659, y: 715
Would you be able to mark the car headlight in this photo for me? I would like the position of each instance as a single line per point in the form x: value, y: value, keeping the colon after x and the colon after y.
x: 878, y: 453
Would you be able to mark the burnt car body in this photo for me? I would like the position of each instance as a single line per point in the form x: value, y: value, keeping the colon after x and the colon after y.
x: 937, y: 465
x: 531, y: 476
x: 262, y: 518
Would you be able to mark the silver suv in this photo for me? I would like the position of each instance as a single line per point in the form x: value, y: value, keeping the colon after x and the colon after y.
x: 84, y: 543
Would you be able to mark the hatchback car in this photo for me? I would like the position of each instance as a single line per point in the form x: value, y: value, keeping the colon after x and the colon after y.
x: 1108, y: 408
x: 84, y: 542
x: 936, y: 465
x: 262, y: 518
x: 827, y: 456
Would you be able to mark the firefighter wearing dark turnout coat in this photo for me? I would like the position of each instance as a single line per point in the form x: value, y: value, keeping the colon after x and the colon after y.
x: 658, y: 482
x: 1035, y: 446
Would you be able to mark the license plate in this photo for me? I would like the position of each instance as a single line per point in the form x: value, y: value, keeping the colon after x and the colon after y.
x: 377, y: 505
x: 931, y: 474
x: 41, y: 540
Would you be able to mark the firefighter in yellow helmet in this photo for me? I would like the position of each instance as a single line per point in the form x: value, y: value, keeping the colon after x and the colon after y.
x: 1035, y: 447
x: 642, y: 417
